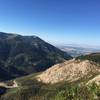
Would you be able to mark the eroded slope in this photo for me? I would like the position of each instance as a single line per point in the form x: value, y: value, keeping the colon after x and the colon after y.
x: 71, y: 70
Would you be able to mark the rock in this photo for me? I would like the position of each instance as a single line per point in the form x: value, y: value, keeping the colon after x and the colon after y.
x: 71, y: 70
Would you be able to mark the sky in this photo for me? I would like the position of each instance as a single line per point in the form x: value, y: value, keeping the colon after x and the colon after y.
x: 55, y: 21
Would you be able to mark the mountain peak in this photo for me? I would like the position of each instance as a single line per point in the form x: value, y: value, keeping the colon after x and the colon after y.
x: 23, y: 55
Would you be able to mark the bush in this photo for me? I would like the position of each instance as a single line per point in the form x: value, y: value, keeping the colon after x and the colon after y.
x: 90, y: 92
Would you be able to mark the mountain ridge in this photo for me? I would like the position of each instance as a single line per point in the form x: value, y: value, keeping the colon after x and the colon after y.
x: 22, y: 55
x: 71, y: 71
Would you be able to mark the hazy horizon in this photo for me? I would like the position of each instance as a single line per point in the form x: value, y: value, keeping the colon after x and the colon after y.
x: 55, y: 21
x: 61, y: 43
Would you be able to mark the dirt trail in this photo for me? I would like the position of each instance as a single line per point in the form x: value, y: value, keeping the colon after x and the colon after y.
x: 15, y: 84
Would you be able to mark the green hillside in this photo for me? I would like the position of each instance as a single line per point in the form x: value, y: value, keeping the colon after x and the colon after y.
x: 22, y: 55
x: 95, y: 57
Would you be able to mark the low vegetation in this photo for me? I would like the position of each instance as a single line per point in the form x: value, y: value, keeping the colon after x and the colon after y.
x: 30, y: 89
x: 76, y: 92
x: 95, y: 57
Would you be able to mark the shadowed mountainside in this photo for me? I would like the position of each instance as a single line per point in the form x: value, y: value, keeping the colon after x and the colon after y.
x: 22, y: 55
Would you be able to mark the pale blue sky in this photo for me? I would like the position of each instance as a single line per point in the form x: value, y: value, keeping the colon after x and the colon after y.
x: 60, y: 21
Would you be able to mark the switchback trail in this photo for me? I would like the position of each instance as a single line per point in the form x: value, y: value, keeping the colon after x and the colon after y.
x: 15, y: 84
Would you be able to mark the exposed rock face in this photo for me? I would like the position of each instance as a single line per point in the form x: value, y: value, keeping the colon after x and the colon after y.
x: 71, y: 70
x: 96, y: 80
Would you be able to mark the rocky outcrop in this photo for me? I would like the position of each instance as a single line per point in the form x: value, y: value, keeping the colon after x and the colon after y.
x: 71, y: 70
x: 96, y: 80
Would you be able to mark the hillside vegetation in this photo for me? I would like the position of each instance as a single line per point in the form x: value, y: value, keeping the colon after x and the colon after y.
x: 22, y: 55
x: 95, y: 57
x: 75, y: 79
x: 30, y: 89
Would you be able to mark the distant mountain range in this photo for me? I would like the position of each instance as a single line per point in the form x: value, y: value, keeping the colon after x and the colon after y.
x: 78, y: 50
x: 22, y: 55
